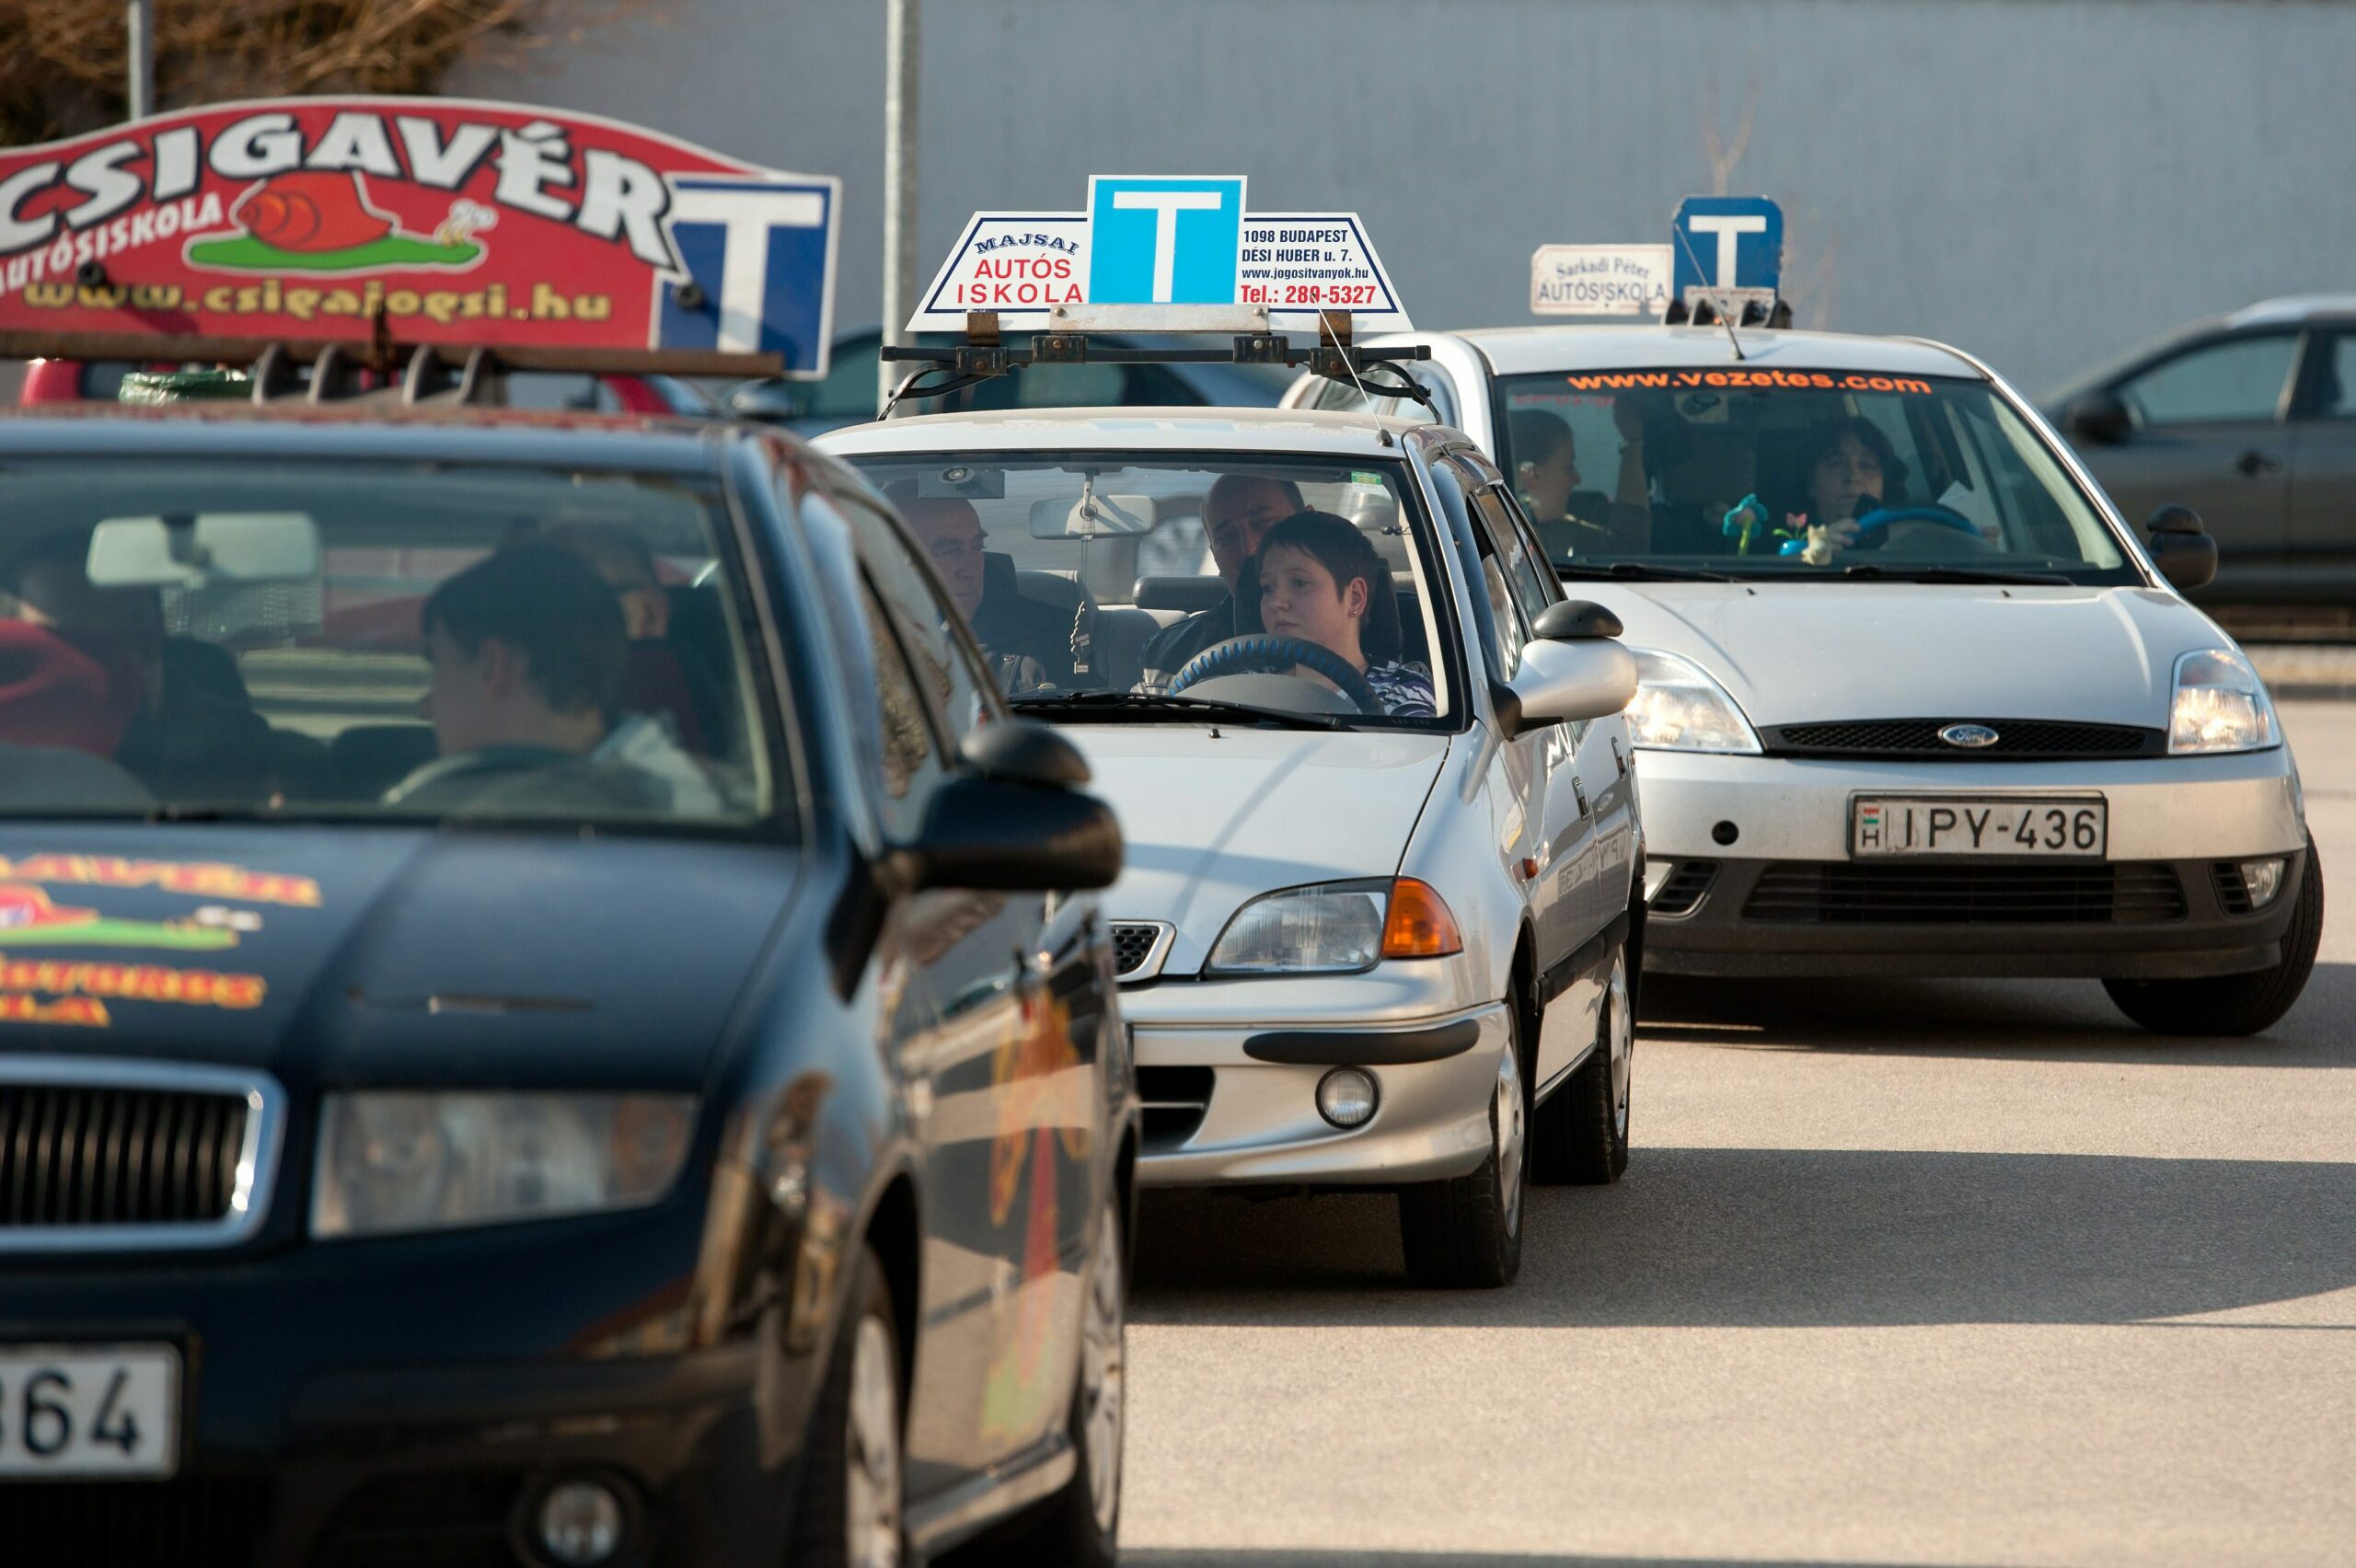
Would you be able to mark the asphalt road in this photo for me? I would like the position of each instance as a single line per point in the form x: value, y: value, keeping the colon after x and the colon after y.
x: 1966, y: 1273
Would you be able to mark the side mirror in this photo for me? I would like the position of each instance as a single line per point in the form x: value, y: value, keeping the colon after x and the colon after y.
x: 2183, y: 552
x: 1575, y: 620
x: 1012, y: 820
x: 1560, y: 682
x: 774, y: 402
x: 2099, y: 417
x: 1023, y: 750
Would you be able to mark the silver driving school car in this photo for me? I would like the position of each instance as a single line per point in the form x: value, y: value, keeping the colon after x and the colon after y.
x: 1381, y: 918
x: 1915, y: 699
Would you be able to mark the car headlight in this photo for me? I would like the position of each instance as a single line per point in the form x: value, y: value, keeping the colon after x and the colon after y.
x: 393, y: 1161
x: 1679, y: 708
x: 1336, y: 928
x: 2221, y: 706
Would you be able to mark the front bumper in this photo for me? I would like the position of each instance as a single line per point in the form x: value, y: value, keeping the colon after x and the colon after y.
x: 1229, y: 1101
x: 1750, y: 873
x: 409, y: 1401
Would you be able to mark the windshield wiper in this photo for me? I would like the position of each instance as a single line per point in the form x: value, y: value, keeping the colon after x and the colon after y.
x: 1085, y: 705
x: 1950, y: 574
x: 1638, y: 572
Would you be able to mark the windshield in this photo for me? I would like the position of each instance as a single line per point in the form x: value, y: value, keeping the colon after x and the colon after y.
x: 1803, y: 473
x: 299, y: 639
x: 1109, y: 585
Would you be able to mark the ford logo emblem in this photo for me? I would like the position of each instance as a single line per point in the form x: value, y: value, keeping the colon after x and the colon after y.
x: 1969, y: 736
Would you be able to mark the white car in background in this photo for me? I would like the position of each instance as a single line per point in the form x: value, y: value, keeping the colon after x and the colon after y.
x: 1987, y: 735
x: 1359, y: 949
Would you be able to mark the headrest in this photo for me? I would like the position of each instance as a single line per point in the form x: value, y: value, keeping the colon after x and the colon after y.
x: 1188, y: 594
x: 53, y: 694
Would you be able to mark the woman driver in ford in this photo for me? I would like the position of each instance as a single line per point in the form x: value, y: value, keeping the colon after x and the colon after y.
x: 1323, y: 582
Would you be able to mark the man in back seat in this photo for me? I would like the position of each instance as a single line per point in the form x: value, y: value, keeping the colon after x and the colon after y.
x: 1237, y: 514
x: 1028, y: 640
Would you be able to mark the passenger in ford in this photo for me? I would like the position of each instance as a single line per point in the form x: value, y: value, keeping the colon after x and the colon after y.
x: 1238, y: 511
x: 1571, y: 522
x: 1322, y: 581
x: 527, y: 649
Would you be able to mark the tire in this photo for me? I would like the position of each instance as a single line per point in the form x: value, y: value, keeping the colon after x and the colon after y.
x: 1080, y: 1526
x: 1582, y: 1138
x: 848, y: 1507
x: 1465, y: 1233
x: 2234, y: 1004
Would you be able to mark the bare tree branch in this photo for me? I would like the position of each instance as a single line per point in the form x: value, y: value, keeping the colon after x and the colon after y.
x: 66, y: 72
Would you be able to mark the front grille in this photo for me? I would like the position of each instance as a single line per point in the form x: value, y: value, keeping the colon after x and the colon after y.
x: 188, y: 1522
x: 85, y: 1155
x: 1135, y: 944
x: 444, y: 1520
x: 1176, y: 1100
x: 2017, y: 739
x: 1975, y: 894
x: 1681, y: 889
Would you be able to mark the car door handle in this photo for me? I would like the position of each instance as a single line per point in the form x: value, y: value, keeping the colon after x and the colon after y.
x: 1619, y: 757
x: 2252, y: 463
x: 1578, y: 793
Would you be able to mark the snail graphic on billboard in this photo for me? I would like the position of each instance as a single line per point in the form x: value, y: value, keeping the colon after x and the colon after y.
x: 321, y: 221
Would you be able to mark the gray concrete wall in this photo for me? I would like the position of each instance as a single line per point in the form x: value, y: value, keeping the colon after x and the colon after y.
x: 2043, y: 181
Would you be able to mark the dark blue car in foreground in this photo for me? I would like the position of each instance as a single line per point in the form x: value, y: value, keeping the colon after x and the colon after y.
x: 547, y: 1014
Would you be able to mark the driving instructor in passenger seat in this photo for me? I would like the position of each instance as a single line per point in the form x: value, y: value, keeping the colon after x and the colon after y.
x: 1237, y: 514
x: 1028, y: 641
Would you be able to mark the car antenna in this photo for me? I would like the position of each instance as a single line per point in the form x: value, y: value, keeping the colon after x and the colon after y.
x: 1719, y: 300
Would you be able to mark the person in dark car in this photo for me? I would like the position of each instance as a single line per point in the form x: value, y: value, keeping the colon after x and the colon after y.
x: 528, y: 648
x: 1029, y: 640
x: 190, y: 728
x: 1237, y: 514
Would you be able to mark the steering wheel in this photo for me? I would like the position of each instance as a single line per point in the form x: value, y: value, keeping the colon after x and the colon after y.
x: 1945, y: 516
x: 1270, y: 652
x: 477, y: 767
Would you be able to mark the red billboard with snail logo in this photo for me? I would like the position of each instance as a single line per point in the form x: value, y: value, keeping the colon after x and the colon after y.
x: 391, y: 222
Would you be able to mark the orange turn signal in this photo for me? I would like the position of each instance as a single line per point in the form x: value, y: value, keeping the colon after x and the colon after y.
x: 1419, y: 925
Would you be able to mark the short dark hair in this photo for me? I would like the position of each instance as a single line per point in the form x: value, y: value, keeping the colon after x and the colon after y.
x: 1534, y: 434
x: 596, y: 539
x: 1290, y: 489
x: 1337, y: 544
x: 547, y: 603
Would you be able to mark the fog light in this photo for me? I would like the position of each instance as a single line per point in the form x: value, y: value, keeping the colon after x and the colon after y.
x: 581, y: 1523
x: 2263, y: 879
x: 1346, y: 1097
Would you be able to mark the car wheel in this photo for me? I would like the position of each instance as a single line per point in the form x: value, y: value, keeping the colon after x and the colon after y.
x: 847, y: 1513
x: 2234, y: 1004
x: 1466, y: 1233
x: 1080, y: 1526
x: 1583, y: 1131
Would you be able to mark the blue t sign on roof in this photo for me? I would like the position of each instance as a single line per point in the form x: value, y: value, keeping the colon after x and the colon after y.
x: 1163, y: 241
x: 1728, y: 242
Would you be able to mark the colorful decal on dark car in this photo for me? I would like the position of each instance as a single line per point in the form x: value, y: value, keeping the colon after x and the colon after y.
x: 201, y: 880
x: 29, y: 917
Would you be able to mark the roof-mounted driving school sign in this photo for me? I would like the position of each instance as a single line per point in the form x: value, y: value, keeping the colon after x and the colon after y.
x: 414, y: 220
x: 1161, y: 248
x: 1729, y: 246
